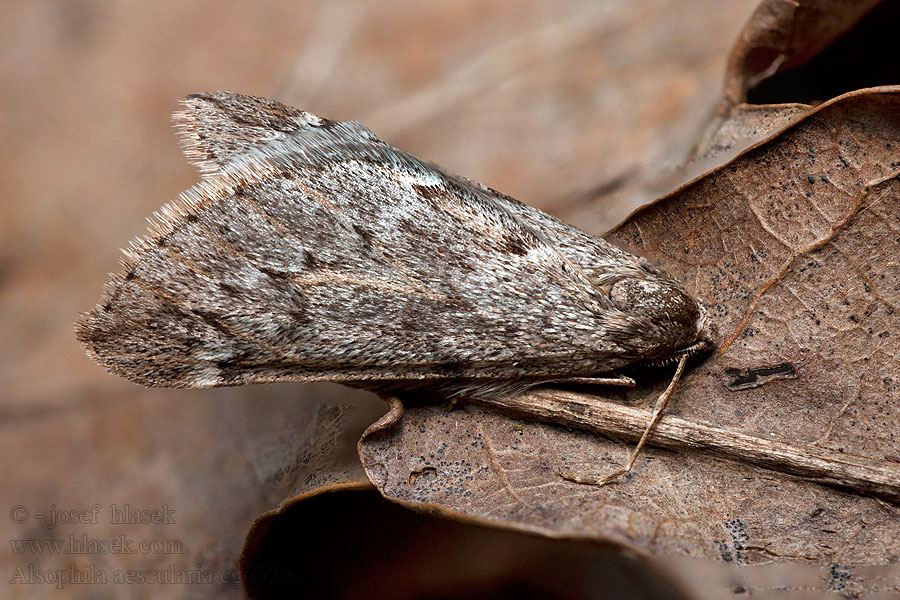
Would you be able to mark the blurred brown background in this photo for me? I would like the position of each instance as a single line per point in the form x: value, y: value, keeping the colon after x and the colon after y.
x: 577, y: 107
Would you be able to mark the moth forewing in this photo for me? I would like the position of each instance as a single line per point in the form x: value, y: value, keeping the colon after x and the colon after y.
x: 312, y: 250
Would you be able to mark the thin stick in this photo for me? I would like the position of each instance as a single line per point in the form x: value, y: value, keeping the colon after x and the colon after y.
x: 660, y: 406
x: 865, y: 475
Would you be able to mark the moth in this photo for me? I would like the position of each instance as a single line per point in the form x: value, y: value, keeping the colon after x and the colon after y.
x: 312, y: 250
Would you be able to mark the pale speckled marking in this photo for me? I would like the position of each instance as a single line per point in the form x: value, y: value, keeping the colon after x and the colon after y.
x: 324, y: 278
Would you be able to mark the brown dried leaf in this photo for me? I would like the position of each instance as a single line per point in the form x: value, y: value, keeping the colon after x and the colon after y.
x: 744, y: 125
x: 795, y: 247
x: 790, y: 56
x: 299, y: 439
x: 785, y: 35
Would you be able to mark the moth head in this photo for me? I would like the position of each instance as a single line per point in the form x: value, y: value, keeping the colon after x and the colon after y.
x: 668, y: 322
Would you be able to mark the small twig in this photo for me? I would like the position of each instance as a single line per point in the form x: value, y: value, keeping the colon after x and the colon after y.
x: 661, y: 404
x: 863, y: 475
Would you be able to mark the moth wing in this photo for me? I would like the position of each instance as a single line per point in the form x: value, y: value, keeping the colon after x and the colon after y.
x: 218, y: 127
x: 319, y: 252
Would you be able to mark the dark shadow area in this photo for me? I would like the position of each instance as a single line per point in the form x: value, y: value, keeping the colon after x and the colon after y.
x: 865, y: 56
x: 354, y: 544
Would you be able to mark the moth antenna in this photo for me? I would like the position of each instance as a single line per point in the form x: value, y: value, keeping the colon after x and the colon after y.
x: 660, y: 406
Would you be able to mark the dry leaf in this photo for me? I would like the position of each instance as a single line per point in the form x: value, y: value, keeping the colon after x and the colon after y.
x: 299, y: 439
x: 744, y: 125
x: 781, y: 36
x: 795, y: 247
x: 789, y: 56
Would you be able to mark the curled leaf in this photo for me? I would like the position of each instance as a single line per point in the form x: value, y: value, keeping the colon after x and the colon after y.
x: 781, y: 36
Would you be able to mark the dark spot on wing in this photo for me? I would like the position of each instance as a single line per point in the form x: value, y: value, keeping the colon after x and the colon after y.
x: 233, y: 368
x: 515, y: 245
x: 412, y: 228
x: 229, y: 289
x: 300, y: 316
x: 275, y: 273
x: 365, y: 235
x: 213, y: 321
x: 310, y: 261
x: 429, y: 192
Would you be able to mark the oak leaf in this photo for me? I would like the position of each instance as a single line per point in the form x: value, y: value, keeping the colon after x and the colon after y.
x: 795, y: 248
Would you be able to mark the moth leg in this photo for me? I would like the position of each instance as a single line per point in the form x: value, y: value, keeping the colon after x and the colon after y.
x: 660, y: 406
x: 621, y: 380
